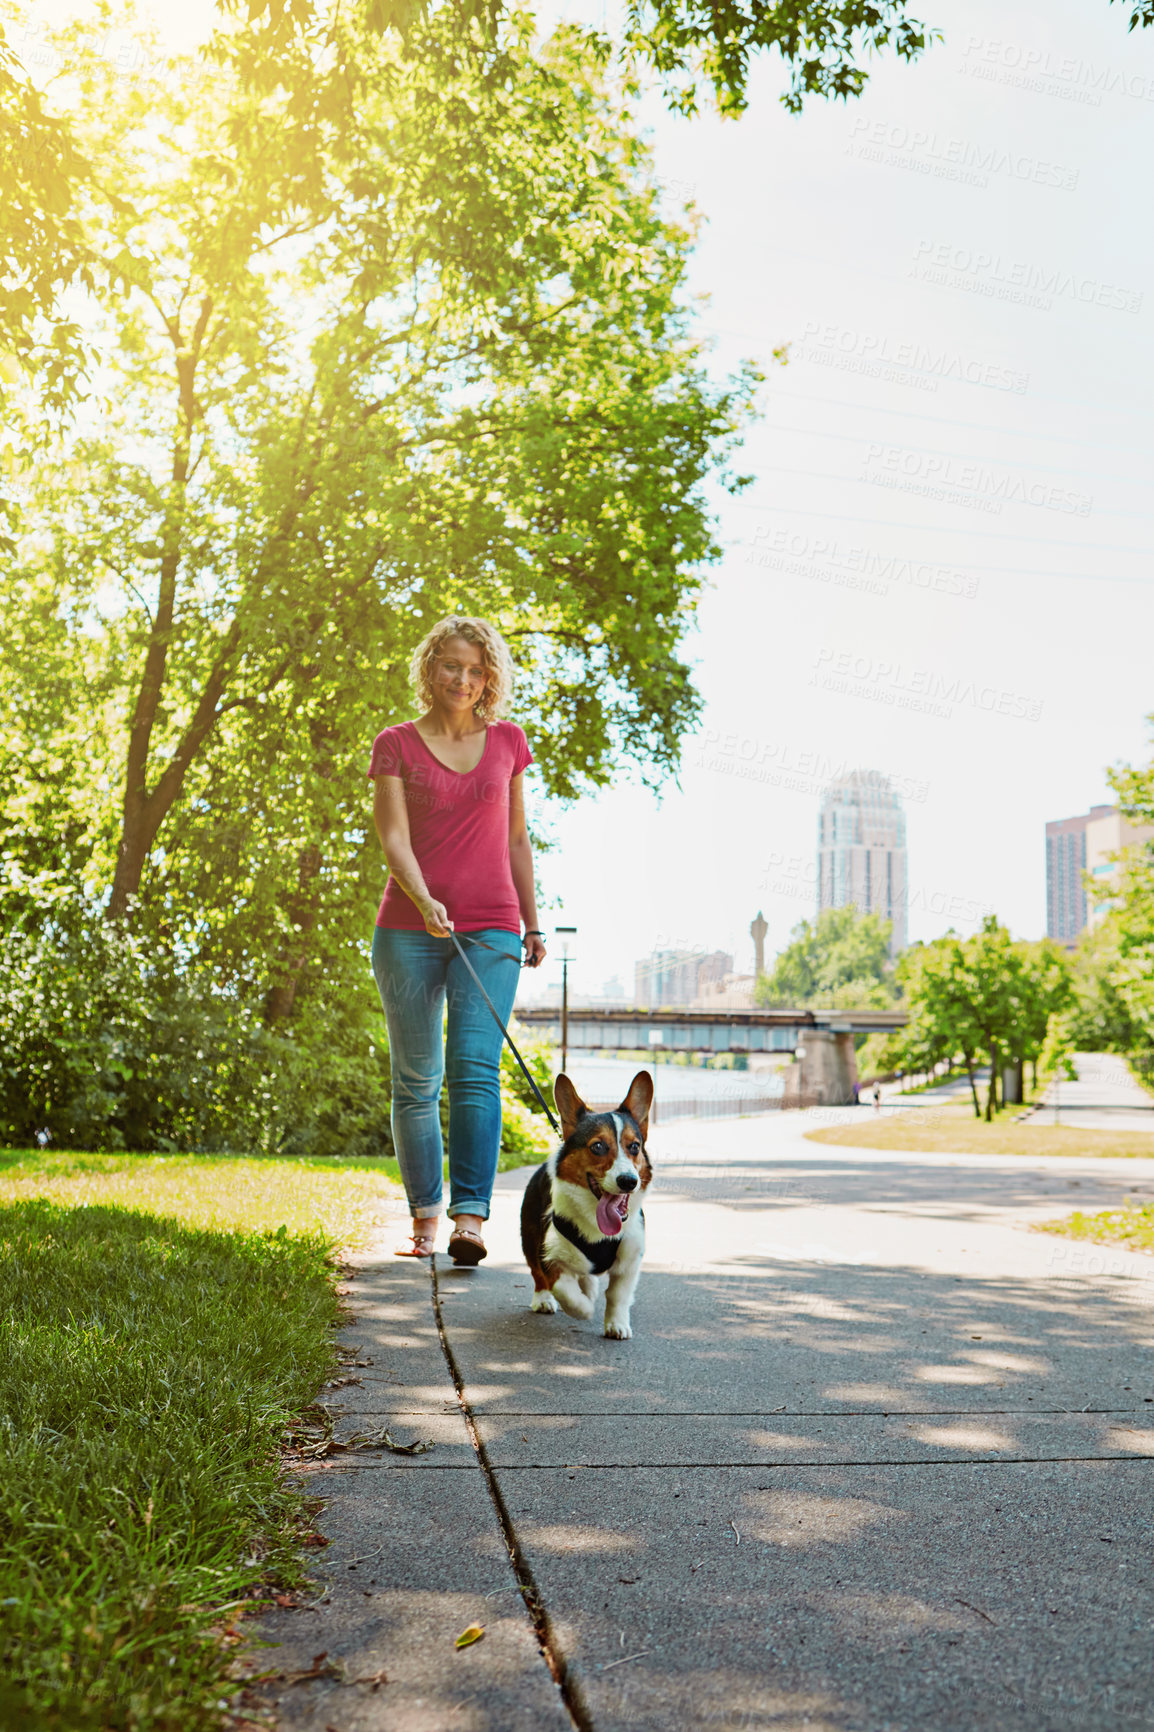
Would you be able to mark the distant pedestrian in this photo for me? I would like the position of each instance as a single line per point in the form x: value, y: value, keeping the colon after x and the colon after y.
x: 450, y: 814
x: 877, y: 1097
x: 857, y: 1094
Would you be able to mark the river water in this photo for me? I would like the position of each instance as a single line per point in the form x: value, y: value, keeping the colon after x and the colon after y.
x: 600, y: 1079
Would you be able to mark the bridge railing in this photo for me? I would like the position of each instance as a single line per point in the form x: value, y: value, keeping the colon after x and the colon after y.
x: 666, y: 1112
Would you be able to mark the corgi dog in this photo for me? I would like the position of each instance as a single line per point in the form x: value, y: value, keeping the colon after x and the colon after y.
x: 582, y: 1228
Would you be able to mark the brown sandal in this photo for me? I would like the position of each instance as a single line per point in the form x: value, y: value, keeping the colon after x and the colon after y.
x: 424, y: 1244
x: 467, y: 1248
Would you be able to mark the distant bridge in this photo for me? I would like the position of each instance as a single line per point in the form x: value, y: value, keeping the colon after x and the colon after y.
x: 747, y: 1031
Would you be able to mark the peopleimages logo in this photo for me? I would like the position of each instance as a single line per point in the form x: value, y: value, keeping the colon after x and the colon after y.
x: 924, y: 690
x: 1066, y: 76
x: 959, y: 159
x: 780, y: 765
x: 908, y: 361
x: 824, y: 559
x: 971, y: 482
x: 1028, y: 285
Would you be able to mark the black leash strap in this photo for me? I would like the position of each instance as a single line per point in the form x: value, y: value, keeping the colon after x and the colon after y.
x: 524, y: 1067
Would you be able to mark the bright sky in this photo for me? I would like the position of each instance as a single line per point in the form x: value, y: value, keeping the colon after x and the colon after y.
x: 941, y: 570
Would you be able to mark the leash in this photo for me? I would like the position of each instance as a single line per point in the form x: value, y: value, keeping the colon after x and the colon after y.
x: 493, y: 1009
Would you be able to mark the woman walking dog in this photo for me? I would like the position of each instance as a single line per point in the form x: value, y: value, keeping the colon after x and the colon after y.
x: 449, y: 809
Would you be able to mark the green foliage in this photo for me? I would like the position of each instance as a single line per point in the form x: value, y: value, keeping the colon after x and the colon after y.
x: 982, y: 995
x: 1115, y: 960
x: 1056, y: 1059
x: 360, y: 367
x: 526, y: 1134
x: 839, y: 961
x: 42, y: 356
x: 526, y: 1138
x: 688, y: 43
x: 147, y: 1371
x: 541, y: 1061
x: 337, y: 416
x: 1131, y: 1226
x: 823, y: 44
x: 109, y: 1041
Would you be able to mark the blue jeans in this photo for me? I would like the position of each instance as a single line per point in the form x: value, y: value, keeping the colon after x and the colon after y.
x: 417, y: 975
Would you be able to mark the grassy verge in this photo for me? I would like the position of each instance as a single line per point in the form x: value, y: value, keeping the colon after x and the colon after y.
x: 1131, y: 1226
x: 163, y: 1318
x: 955, y: 1131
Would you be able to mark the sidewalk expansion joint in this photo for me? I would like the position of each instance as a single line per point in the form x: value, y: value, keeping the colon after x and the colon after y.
x: 570, y: 1691
x: 800, y: 1412
x: 829, y: 1462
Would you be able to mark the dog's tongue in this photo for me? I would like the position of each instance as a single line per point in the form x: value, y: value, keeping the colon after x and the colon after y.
x: 611, y: 1213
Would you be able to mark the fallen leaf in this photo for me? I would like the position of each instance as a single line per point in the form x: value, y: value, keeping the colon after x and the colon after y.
x: 288, y: 1601
x: 383, y: 1440
x: 373, y: 1679
x: 315, y: 1540
x: 469, y: 1636
x: 322, y: 1667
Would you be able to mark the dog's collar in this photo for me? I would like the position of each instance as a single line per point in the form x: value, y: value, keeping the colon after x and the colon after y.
x: 601, y: 1253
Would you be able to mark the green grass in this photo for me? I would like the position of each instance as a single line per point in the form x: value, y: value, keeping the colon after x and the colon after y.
x: 163, y: 1319
x: 1131, y: 1226
x: 334, y: 1198
x: 953, y: 1130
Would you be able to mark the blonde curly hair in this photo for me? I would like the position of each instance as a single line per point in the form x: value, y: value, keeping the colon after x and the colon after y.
x: 498, y: 693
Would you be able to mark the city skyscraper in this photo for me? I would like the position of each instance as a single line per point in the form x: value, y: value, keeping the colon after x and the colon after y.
x: 1065, y: 864
x: 678, y: 976
x: 861, y: 850
x: 1089, y: 843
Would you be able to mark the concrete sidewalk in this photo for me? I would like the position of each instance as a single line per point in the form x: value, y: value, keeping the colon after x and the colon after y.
x: 1105, y: 1097
x: 876, y: 1457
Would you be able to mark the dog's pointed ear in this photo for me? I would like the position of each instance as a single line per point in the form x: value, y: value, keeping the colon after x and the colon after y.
x: 569, y: 1104
x: 639, y: 1100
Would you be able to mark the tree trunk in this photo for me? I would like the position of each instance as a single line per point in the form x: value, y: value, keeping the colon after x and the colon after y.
x: 973, y: 1084
x: 992, y: 1095
x: 303, y: 909
x: 141, y: 816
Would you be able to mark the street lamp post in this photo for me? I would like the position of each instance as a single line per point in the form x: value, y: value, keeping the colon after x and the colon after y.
x: 565, y: 936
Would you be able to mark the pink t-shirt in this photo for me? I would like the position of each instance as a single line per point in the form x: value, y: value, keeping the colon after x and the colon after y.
x: 459, y: 828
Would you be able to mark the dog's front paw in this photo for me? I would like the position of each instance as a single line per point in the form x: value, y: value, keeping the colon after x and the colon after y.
x: 618, y: 1329
x: 569, y: 1296
x: 543, y: 1301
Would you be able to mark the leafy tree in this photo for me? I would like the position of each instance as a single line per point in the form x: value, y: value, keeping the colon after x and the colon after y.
x: 840, y: 960
x: 1114, y: 964
x: 1057, y: 1055
x: 688, y: 43
x: 1046, y: 989
x: 441, y: 361
x: 42, y: 355
x: 985, y: 994
x: 942, y: 1023
x: 458, y: 375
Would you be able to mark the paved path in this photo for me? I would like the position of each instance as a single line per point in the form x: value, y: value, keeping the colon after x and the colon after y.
x: 1105, y: 1097
x: 876, y: 1458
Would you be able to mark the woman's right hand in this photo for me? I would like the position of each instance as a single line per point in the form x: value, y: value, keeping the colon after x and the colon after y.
x: 436, y: 918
